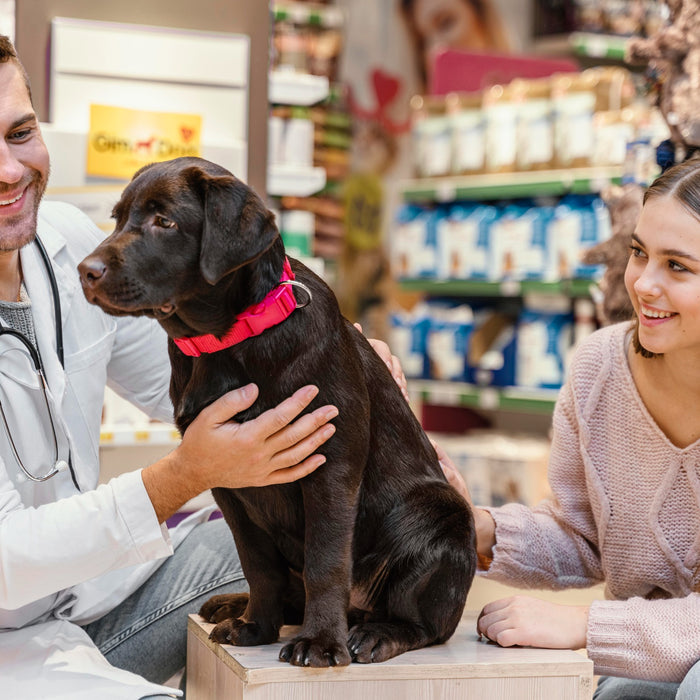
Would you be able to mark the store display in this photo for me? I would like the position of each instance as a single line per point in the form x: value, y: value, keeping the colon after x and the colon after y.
x: 499, y: 467
x: 516, y: 240
x: 315, y: 137
x: 563, y: 121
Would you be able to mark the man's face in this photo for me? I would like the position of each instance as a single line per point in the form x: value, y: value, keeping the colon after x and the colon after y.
x: 24, y: 161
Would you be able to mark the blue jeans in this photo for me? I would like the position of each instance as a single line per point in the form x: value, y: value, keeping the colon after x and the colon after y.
x: 610, y: 688
x: 147, y: 633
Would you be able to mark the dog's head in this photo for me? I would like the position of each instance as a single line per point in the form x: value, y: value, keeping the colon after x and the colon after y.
x: 182, y: 226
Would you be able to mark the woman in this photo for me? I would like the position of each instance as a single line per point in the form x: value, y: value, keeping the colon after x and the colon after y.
x: 625, y: 476
x: 452, y: 24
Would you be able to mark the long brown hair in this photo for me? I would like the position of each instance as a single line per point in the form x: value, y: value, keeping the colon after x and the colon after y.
x: 486, y: 15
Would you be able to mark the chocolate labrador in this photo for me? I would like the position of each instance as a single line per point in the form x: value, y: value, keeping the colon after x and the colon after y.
x: 373, y: 553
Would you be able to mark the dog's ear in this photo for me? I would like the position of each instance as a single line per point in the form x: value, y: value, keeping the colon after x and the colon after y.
x: 237, y: 226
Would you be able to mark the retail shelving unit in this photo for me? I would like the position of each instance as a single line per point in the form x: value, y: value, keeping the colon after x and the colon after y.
x: 492, y: 187
x: 593, y: 45
x: 487, y: 398
x: 308, y: 13
x: 138, y: 435
x: 296, y: 89
x: 507, y: 288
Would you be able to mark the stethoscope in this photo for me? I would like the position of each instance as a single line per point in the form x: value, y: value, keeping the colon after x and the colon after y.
x: 59, y: 465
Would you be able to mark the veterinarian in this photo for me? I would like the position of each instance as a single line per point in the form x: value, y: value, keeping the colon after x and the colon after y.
x: 624, y: 471
x: 86, y: 567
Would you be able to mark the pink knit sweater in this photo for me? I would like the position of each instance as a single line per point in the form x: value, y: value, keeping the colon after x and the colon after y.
x: 625, y: 509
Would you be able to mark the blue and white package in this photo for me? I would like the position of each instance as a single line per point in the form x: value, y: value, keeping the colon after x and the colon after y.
x: 414, y: 249
x: 518, y: 240
x: 409, y: 341
x: 543, y: 340
x: 451, y: 328
x: 579, y: 222
x: 462, y: 237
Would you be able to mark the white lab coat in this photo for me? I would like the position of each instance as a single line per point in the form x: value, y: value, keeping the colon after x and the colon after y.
x: 69, y: 557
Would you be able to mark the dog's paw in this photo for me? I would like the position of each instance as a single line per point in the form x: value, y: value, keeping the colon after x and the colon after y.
x: 373, y: 642
x: 318, y: 652
x: 224, y: 607
x: 242, y: 634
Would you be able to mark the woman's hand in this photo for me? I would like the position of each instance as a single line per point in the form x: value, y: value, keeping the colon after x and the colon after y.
x: 484, y: 524
x: 531, y: 622
x: 217, y: 452
x: 391, y: 361
x: 452, y: 474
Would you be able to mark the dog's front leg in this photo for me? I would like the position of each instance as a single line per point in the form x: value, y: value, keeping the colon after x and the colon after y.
x: 255, y: 618
x: 330, y: 519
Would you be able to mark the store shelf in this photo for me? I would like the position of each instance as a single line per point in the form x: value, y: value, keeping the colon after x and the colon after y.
x: 292, y: 180
x: 516, y: 399
x: 123, y: 435
x: 308, y: 13
x: 492, y: 186
x: 291, y: 88
x: 507, y: 288
x: 599, y: 45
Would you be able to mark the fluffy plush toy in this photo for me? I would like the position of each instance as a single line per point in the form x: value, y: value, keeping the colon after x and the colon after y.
x: 673, y: 58
x: 625, y: 204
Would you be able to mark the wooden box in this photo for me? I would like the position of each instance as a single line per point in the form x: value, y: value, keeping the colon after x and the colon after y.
x: 463, y: 668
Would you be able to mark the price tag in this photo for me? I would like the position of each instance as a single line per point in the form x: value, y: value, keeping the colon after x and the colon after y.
x: 445, y: 192
x: 488, y: 399
x: 510, y: 288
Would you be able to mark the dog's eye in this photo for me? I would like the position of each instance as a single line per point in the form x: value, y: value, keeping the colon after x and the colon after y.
x: 162, y: 222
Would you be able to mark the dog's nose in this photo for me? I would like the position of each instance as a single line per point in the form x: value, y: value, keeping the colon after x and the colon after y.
x: 91, y: 270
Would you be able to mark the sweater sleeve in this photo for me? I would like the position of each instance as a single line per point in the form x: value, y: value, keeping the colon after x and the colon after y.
x: 646, y: 639
x: 553, y: 545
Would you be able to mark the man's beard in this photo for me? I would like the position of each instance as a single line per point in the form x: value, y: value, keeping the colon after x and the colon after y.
x: 20, y: 230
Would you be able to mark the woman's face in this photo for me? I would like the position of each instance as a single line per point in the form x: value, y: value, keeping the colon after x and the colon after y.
x: 663, y: 276
x: 453, y: 24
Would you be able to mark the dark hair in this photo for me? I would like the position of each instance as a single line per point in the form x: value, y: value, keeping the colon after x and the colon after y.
x: 9, y: 55
x: 681, y: 181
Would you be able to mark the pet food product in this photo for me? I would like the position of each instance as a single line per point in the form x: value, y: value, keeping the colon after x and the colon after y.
x: 431, y: 134
x: 573, y: 105
x: 518, y: 240
x: 451, y: 328
x: 297, y: 229
x: 409, y: 340
x: 544, y: 337
x: 468, y: 133
x: 535, y: 132
x: 501, y: 119
x: 414, y: 247
x: 462, y: 238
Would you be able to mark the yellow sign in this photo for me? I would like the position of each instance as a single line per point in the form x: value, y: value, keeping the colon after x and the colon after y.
x: 123, y: 140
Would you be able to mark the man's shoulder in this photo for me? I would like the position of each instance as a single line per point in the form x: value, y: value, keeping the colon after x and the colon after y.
x: 60, y: 222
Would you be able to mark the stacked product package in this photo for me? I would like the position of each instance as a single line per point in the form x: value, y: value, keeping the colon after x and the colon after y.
x: 567, y: 120
x: 500, y: 468
x: 485, y: 346
x: 516, y: 241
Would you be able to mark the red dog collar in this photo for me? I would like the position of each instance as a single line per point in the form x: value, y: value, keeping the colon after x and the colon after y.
x: 273, y: 309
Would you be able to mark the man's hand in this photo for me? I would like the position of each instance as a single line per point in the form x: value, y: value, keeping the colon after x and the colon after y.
x: 531, y: 622
x: 217, y: 452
